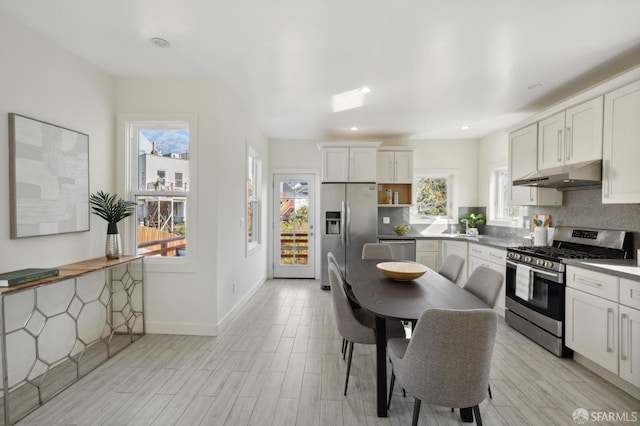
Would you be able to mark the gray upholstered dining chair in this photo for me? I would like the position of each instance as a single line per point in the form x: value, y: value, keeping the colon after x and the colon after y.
x: 451, y: 267
x: 485, y: 284
x: 331, y: 258
x: 355, y: 326
x: 447, y: 360
x: 377, y: 251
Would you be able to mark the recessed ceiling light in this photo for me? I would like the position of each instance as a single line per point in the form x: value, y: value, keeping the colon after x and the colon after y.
x: 354, y: 129
x: 365, y: 89
x: 465, y: 127
x: 534, y: 86
x: 160, y: 42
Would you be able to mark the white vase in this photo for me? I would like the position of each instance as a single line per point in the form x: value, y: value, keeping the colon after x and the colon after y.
x: 113, y: 246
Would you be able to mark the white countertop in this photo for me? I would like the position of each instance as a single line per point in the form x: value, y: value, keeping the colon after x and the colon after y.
x: 633, y: 270
x: 625, y: 268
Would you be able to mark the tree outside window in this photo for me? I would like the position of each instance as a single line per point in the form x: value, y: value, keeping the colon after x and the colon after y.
x: 432, y: 198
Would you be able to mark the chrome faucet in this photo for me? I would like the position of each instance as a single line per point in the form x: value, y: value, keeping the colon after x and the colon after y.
x: 466, y: 226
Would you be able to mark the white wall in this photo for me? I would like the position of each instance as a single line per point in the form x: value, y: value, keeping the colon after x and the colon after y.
x: 492, y: 153
x: 42, y: 81
x: 195, y: 301
x: 459, y: 157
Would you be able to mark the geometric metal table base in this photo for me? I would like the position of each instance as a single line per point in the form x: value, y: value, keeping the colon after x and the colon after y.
x: 54, y: 333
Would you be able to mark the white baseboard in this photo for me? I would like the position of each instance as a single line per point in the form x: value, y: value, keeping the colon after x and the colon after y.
x: 240, y: 304
x: 190, y: 329
x: 199, y: 329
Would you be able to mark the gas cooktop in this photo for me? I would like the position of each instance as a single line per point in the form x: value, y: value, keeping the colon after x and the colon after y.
x: 574, y: 243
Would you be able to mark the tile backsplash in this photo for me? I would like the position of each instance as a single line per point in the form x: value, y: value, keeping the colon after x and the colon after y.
x: 581, y: 208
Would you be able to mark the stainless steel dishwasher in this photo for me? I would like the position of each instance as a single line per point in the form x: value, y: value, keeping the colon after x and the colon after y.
x: 402, y: 249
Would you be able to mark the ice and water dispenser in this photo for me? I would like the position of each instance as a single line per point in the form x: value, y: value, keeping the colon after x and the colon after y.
x: 332, y: 220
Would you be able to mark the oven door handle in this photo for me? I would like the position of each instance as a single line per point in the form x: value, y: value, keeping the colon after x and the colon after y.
x: 536, y: 270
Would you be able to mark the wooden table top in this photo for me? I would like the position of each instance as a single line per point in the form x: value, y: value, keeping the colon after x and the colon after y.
x: 406, y: 300
x: 73, y: 270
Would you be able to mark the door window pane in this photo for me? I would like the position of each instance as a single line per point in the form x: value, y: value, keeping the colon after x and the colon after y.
x: 294, y: 222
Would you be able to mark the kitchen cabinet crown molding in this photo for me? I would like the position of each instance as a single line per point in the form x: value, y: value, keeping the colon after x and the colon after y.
x: 348, y: 144
x: 613, y: 83
x: 396, y: 148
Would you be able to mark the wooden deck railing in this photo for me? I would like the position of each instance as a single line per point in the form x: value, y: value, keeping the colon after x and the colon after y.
x: 155, y: 242
x: 294, y: 247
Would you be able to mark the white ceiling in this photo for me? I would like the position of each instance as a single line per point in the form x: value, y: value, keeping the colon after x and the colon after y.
x: 433, y: 65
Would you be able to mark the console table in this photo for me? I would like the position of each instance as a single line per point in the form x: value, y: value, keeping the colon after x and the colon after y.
x: 56, y: 330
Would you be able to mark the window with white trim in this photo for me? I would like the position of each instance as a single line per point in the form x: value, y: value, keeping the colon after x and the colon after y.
x: 500, y: 210
x: 254, y: 191
x: 159, y: 163
x: 433, y: 197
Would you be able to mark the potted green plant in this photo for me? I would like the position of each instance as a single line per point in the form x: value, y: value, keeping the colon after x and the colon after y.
x: 472, y: 220
x: 113, y: 209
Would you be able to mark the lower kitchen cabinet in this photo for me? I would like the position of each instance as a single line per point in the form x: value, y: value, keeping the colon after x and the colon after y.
x: 630, y: 345
x: 602, y: 322
x: 591, y: 327
x: 491, y: 258
x: 459, y: 248
x: 427, y: 253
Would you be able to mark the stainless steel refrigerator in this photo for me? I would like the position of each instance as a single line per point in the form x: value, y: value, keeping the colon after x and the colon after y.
x: 350, y: 219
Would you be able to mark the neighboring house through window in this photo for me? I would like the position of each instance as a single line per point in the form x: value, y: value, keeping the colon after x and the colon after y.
x: 159, y: 162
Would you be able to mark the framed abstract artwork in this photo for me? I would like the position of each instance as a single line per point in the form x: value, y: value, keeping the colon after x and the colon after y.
x: 49, y: 178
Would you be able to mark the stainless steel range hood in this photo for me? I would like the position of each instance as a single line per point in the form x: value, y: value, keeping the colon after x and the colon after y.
x: 585, y: 175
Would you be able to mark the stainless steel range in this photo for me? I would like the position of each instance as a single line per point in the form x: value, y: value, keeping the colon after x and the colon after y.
x: 535, y: 280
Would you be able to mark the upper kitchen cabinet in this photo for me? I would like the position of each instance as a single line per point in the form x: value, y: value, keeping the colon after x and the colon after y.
x: 523, y: 154
x: 621, y: 146
x: 571, y: 136
x: 395, y: 166
x: 395, y: 175
x: 349, y: 163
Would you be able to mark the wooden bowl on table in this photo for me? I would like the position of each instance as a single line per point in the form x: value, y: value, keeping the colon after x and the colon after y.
x: 402, y: 271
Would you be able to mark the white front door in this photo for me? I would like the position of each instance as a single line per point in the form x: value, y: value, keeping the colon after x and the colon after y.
x: 294, y: 228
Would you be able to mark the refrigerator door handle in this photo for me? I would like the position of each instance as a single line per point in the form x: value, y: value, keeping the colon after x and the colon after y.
x: 343, y: 225
x: 348, y: 224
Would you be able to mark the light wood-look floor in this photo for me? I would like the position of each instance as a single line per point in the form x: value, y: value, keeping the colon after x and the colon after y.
x: 278, y: 362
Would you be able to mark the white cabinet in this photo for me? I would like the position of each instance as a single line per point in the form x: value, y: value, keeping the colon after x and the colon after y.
x: 592, y: 282
x: 630, y: 331
x: 602, y: 321
x: 459, y: 248
x: 571, y: 136
x: 630, y: 345
x: 427, y: 252
x: 630, y: 293
x: 395, y: 166
x: 591, y: 326
x: 621, y: 146
x: 491, y: 258
x: 348, y: 164
x: 523, y: 154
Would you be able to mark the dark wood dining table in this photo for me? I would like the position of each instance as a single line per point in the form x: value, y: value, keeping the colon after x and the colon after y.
x: 402, y: 300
